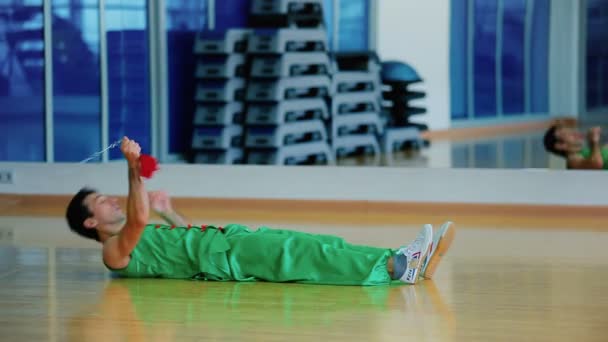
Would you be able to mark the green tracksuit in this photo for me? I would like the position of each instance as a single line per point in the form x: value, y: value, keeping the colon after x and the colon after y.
x: 235, y: 253
x: 586, y: 153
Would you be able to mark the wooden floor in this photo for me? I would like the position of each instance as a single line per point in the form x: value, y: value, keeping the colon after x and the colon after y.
x: 496, y: 284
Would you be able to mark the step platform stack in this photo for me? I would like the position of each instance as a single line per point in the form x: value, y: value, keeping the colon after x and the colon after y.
x: 289, y: 83
x: 221, y: 73
x: 356, y: 125
x: 399, y: 91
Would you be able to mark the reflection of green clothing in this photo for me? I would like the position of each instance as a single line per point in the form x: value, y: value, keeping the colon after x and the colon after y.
x: 266, y: 254
x: 586, y: 153
x: 221, y: 305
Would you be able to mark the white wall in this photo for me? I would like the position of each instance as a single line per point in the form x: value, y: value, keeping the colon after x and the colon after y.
x: 325, y: 183
x: 418, y: 32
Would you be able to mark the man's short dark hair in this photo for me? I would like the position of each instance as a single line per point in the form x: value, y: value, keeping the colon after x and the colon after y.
x: 550, y: 140
x: 78, y: 212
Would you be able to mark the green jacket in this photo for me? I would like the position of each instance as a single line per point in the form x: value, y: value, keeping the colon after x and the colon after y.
x: 192, y: 252
x: 586, y: 153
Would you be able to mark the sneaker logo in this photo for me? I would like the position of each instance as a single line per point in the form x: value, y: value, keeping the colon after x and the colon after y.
x: 413, y: 260
x: 410, y: 275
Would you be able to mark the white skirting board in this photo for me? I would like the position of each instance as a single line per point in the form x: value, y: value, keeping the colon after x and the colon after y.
x: 492, y: 186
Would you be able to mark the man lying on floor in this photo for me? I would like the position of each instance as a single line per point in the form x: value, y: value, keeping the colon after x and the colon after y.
x: 134, y: 248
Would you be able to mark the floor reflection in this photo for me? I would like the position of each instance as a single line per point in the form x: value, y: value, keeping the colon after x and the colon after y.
x: 495, y: 284
x: 178, y: 309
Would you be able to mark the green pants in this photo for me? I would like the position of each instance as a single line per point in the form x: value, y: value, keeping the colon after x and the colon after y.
x: 286, y: 256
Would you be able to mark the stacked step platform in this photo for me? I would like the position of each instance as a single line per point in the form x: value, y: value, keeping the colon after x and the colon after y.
x: 356, y: 124
x: 273, y: 94
x: 218, y: 122
x: 288, y: 84
x: 398, y: 79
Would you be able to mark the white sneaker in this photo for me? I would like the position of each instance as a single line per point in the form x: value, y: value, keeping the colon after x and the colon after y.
x: 416, y: 253
x: 442, y: 239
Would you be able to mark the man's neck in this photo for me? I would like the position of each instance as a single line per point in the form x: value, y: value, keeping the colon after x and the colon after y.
x: 103, y: 235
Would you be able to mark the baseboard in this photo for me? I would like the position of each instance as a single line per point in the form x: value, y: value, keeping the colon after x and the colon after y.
x: 356, y: 213
x: 468, y: 133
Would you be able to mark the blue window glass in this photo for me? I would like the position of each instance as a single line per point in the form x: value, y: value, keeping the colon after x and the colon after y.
x: 484, y: 69
x: 604, y: 77
x: 458, y: 59
x: 539, y: 63
x: 597, y: 54
x: 460, y: 156
x: 76, y: 79
x: 594, y: 16
x: 514, y: 153
x: 512, y: 73
x: 21, y: 82
x: 486, y: 155
x: 231, y: 14
x: 184, y: 21
x: 593, y: 82
x: 512, y: 61
x: 353, y: 25
x: 328, y: 16
x: 128, y: 73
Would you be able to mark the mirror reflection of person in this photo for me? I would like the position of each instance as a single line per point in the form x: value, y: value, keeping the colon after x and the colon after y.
x: 581, y: 151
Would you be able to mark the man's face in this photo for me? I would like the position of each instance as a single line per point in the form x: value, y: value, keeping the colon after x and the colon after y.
x: 568, y: 140
x: 106, y: 211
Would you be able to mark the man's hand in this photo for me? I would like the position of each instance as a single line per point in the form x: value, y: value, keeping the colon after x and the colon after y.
x: 131, y: 150
x: 594, y: 135
x: 595, y: 161
x: 160, y: 202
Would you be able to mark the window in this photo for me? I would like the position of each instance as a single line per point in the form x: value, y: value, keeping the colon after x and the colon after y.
x: 512, y: 72
x: 22, y: 65
x: 509, y: 38
x: 458, y: 59
x: 597, y: 54
x: 514, y: 153
x: 485, y: 155
x: 76, y: 80
x: 184, y: 20
x: 328, y: 16
x: 353, y: 23
x: 231, y: 14
x: 539, y: 62
x: 484, y: 60
x: 128, y: 73
x: 76, y: 84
